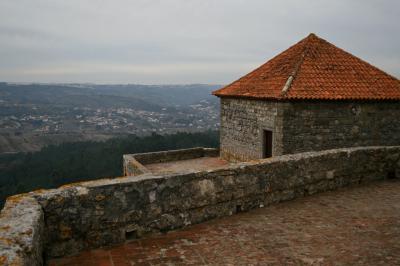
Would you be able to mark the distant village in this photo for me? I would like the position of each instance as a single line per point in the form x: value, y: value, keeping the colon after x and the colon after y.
x: 196, y: 117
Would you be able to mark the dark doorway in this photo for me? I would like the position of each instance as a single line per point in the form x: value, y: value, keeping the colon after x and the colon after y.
x: 267, y: 139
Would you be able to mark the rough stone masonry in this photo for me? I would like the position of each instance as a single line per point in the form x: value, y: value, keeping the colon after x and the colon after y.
x: 86, y: 215
x: 301, y: 126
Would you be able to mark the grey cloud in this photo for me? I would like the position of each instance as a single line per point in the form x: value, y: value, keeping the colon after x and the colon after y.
x: 185, y: 41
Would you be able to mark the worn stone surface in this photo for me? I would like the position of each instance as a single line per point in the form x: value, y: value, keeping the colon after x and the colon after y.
x: 352, y: 226
x: 314, y: 126
x: 132, y: 167
x: 21, y: 232
x: 302, y: 126
x: 184, y: 166
x: 106, y: 212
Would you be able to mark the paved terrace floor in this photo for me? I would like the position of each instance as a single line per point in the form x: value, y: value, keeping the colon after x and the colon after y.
x: 197, y: 164
x: 352, y: 226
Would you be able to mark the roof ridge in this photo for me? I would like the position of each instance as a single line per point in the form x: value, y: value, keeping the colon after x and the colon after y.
x: 263, y: 65
x: 296, y: 69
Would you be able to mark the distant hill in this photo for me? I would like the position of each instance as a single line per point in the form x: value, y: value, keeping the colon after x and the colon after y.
x: 145, y: 97
x: 35, y: 115
x: 166, y: 95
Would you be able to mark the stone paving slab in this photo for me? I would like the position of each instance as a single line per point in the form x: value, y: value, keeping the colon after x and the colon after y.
x: 352, y: 226
x: 191, y: 165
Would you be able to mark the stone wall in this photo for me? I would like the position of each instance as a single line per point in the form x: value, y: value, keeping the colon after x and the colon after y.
x: 21, y: 232
x: 314, y: 126
x: 242, y: 125
x: 132, y: 167
x: 109, y: 211
x: 134, y: 164
x: 305, y: 126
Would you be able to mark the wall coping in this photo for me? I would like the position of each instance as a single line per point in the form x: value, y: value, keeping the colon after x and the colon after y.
x: 21, y: 231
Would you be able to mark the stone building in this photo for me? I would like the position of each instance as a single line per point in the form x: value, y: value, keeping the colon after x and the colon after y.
x: 313, y: 96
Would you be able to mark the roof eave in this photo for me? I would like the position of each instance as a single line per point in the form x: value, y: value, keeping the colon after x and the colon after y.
x: 263, y: 98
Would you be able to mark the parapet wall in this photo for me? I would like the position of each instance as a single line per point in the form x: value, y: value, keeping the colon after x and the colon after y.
x: 21, y: 232
x: 134, y: 164
x: 110, y: 211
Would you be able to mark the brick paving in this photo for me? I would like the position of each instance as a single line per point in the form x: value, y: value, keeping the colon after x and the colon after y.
x: 352, y: 226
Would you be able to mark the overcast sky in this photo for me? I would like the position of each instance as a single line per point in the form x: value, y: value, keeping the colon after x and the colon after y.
x: 182, y: 41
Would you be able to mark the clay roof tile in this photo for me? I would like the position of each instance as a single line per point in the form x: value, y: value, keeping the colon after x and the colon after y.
x: 315, y: 69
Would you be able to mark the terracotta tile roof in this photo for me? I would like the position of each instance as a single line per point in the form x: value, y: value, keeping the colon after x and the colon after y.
x: 315, y: 69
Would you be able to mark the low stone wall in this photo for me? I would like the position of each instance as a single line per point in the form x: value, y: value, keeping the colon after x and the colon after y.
x: 132, y: 167
x: 134, y: 164
x: 109, y: 211
x: 21, y: 232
